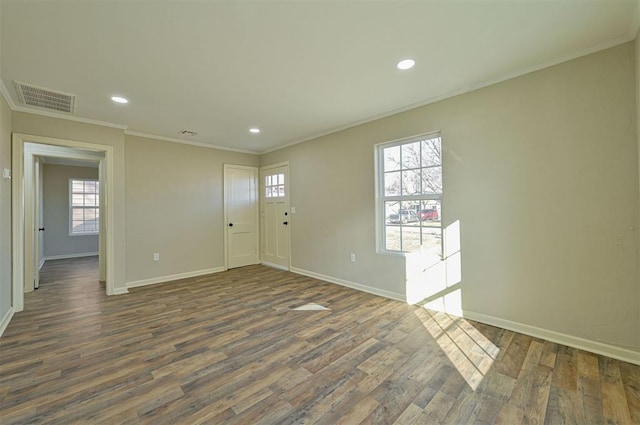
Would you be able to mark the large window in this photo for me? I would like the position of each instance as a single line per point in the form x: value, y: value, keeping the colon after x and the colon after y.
x: 84, y: 207
x: 410, y: 194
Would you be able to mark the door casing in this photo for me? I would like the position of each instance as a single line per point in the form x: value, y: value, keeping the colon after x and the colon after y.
x: 24, y: 150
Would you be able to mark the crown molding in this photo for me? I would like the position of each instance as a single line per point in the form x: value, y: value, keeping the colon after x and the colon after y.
x: 611, y: 43
x: 187, y: 142
x: 68, y: 117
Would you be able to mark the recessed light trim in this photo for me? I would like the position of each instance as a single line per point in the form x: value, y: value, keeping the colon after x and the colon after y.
x: 119, y: 99
x: 254, y: 130
x: 406, y: 64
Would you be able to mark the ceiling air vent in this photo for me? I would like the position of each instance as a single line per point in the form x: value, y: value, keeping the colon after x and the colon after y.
x: 187, y: 132
x: 45, y: 98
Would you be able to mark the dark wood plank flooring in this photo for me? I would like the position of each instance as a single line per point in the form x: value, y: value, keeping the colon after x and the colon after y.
x: 227, y: 349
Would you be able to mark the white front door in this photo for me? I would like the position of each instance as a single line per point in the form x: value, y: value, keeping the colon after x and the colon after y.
x: 241, y: 215
x: 276, y: 217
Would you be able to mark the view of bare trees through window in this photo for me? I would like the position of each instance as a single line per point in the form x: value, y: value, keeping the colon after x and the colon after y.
x: 412, y: 193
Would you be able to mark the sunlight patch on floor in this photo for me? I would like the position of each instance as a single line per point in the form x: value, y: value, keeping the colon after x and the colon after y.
x: 313, y: 307
x: 470, y: 352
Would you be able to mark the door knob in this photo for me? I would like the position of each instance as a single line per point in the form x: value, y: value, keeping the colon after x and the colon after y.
x: 41, y: 229
x: 230, y: 224
x: 285, y: 223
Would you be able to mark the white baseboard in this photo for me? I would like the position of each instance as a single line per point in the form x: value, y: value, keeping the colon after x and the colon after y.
x: 275, y: 266
x: 160, y: 279
x: 64, y: 256
x: 42, y: 260
x: 4, y: 322
x: 557, y: 337
x: 120, y: 291
x: 353, y: 285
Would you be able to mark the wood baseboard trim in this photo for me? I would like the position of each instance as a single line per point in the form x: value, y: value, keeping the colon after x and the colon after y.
x: 160, y: 279
x: 353, y: 285
x: 608, y: 350
x: 5, y: 320
x: 64, y: 256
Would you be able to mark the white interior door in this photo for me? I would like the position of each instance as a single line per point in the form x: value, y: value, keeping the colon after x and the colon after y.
x: 276, y: 215
x: 241, y: 215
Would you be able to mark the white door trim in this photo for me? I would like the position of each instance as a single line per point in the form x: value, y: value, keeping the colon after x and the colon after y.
x: 276, y: 165
x: 18, y: 199
x: 261, y: 201
x: 226, y: 212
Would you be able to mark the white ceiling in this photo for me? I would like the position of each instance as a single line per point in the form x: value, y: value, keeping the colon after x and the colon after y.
x: 295, y: 69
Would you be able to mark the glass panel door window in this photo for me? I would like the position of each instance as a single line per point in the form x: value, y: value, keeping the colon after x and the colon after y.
x: 274, y: 186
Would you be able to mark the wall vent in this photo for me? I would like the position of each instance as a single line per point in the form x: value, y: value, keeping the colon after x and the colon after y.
x: 45, y: 98
x: 187, y: 132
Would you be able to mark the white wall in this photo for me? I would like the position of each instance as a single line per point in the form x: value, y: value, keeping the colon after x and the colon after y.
x: 175, y: 207
x: 541, y: 172
x: 57, y: 241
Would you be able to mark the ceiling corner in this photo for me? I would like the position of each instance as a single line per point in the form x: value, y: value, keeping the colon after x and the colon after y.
x: 7, y: 96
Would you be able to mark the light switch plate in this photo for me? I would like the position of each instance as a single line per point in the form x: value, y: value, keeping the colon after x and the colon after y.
x: 293, y: 210
x: 6, y: 173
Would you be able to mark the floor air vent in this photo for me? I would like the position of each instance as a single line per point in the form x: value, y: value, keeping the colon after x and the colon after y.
x: 45, y: 98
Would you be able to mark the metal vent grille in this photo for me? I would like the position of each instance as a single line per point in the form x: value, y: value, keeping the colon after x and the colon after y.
x: 45, y: 98
x: 187, y: 132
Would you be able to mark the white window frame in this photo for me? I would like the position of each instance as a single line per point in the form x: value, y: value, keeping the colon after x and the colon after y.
x: 71, y: 208
x: 381, y: 198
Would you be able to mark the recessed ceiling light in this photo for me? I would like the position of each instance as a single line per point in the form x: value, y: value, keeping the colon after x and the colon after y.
x: 254, y: 130
x: 119, y: 99
x: 406, y: 64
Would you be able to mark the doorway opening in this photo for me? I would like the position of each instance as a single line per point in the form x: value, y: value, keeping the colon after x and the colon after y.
x: 29, y: 155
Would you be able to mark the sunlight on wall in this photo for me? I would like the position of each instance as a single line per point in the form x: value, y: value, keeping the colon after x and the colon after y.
x: 470, y: 352
x: 435, y: 283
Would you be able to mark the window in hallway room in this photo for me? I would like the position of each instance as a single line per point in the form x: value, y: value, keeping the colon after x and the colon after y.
x: 84, y: 207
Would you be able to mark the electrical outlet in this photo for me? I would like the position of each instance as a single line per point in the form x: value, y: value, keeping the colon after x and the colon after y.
x: 156, y: 256
x: 353, y: 257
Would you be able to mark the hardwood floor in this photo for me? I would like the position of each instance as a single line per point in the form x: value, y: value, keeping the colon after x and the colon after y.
x: 227, y: 349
